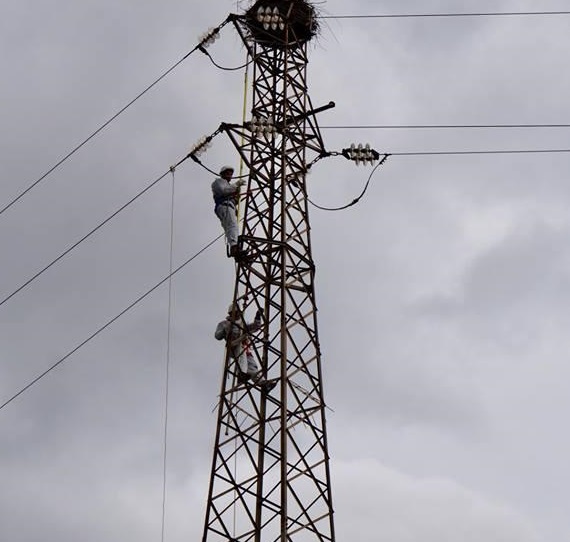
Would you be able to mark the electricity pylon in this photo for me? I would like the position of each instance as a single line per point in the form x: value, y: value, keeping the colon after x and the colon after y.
x: 270, y: 477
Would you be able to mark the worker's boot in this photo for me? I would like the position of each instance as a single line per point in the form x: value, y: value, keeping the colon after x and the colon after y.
x: 268, y: 385
x: 242, y: 378
x: 237, y: 253
x: 265, y: 385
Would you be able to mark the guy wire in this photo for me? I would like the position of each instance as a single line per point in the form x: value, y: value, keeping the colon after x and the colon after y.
x: 167, y: 369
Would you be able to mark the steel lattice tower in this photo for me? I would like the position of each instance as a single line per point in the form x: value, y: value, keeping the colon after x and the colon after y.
x: 270, y: 478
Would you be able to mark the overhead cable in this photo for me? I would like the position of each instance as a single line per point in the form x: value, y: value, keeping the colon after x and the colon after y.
x: 437, y: 126
x: 95, y: 229
x: 112, y: 118
x: 500, y: 151
x: 156, y: 181
x: 431, y: 153
x: 105, y: 326
x: 417, y: 15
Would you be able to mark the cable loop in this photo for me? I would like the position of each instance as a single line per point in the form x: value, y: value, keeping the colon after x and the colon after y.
x: 357, y: 199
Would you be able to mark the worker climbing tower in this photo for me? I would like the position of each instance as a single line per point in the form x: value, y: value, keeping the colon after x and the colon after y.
x: 270, y: 478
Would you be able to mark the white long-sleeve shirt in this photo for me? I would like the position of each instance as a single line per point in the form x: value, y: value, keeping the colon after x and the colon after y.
x: 235, y: 333
x: 223, y: 190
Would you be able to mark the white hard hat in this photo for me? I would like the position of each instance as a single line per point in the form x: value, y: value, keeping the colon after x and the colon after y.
x: 233, y: 308
x: 226, y: 168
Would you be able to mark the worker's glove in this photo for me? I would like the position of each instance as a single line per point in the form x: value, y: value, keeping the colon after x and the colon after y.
x: 240, y: 183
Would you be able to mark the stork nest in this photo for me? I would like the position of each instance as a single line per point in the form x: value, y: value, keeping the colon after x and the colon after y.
x: 298, y: 23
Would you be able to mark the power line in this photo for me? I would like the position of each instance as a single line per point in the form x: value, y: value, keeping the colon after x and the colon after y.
x: 429, y: 153
x: 189, y: 260
x: 501, y: 151
x: 156, y: 181
x: 437, y: 126
x: 200, y: 47
x: 95, y: 229
x: 418, y: 15
x: 106, y: 123
x: 110, y: 322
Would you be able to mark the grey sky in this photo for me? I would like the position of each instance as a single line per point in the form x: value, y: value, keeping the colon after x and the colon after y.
x: 443, y: 295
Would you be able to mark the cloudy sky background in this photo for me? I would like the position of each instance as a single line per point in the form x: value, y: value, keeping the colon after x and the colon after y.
x: 443, y: 294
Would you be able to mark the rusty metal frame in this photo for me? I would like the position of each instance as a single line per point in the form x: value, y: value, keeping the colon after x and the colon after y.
x: 270, y: 477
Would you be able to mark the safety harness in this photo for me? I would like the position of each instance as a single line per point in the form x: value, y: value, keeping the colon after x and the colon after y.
x: 223, y: 200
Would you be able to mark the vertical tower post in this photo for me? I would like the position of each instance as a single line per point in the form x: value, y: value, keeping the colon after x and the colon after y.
x: 270, y: 478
